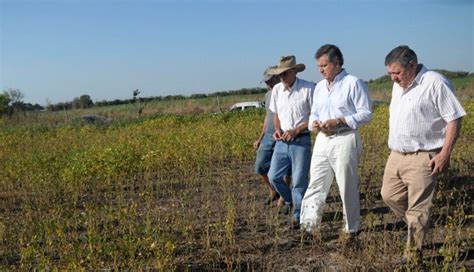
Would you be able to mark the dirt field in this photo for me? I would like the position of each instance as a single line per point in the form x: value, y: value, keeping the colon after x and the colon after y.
x: 264, y: 241
x: 179, y: 193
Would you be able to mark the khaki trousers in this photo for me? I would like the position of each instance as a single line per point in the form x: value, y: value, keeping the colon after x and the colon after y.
x: 407, y: 189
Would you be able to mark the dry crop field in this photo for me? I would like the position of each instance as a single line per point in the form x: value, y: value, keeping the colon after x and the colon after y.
x: 177, y: 192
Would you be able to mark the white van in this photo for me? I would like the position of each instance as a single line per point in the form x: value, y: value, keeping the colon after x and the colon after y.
x: 247, y: 105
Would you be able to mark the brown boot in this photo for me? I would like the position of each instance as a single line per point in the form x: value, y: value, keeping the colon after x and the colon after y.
x: 274, y: 196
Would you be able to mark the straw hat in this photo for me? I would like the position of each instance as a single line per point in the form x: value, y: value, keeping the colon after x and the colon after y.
x: 266, y: 76
x: 287, y: 63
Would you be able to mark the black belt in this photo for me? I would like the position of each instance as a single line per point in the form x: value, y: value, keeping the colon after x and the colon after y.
x: 336, y: 131
x: 307, y: 133
x: 300, y: 135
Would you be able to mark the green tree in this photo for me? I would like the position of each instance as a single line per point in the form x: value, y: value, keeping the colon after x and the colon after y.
x: 15, y: 95
x: 4, y: 101
x: 82, y: 102
x: 15, y: 103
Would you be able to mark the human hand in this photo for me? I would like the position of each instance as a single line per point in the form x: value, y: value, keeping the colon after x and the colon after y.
x: 439, y: 162
x: 329, y: 124
x: 317, y: 125
x: 277, y: 135
x: 256, y: 144
x: 289, y: 135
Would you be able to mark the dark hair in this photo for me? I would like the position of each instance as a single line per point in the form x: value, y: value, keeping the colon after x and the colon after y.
x: 273, y: 80
x: 402, y: 54
x: 333, y: 52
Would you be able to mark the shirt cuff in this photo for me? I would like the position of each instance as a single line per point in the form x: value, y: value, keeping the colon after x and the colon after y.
x: 351, y: 122
x: 310, y: 124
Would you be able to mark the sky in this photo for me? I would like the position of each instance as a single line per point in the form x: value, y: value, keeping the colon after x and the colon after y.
x: 56, y: 50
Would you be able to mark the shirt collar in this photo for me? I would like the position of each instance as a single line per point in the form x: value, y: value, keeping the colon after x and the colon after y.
x: 294, y: 87
x: 337, y: 78
x: 421, y: 73
x: 341, y: 75
x: 418, y: 78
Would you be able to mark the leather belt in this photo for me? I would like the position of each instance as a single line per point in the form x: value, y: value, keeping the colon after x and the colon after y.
x: 336, y: 131
x: 418, y: 151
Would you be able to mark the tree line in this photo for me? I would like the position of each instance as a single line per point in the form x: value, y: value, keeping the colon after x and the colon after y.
x: 11, y: 100
x: 85, y: 101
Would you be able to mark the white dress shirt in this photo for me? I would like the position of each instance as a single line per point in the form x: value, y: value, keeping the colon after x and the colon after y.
x: 292, y: 106
x: 348, y: 98
x: 419, y: 115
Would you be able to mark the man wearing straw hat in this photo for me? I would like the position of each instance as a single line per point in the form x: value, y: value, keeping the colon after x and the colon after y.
x: 291, y: 104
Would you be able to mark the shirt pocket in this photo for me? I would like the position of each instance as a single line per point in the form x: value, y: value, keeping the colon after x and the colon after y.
x: 300, y: 106
x: 341, y: 103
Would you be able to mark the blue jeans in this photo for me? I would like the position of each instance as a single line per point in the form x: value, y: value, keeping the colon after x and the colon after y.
x: 297, y: 155
x: 264, y: 155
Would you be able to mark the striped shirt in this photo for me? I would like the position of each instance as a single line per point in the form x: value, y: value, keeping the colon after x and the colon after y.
x: 419, y: 115
x: 292, y: 106
x: 348, y: 98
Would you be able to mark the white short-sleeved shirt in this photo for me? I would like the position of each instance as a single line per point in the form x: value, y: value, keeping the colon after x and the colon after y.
x: 419, y: 115
x: 292, y: 106
x: 348, y: 98
x: 270, y: 128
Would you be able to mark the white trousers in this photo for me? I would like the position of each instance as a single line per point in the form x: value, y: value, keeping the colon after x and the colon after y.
x: 333, y: 156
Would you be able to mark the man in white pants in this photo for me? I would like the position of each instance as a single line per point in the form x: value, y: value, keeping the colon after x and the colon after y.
x: 341, y: 104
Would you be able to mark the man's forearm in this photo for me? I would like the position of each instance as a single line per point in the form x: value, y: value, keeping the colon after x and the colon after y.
x: 264, y: 127
x: 302, y: 128
x: 276, y: 122
x: 439, y: 162
x: 452, y: 133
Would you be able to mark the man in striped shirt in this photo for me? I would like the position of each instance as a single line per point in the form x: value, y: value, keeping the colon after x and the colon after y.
x: 425, y: 118
x: 265, y: 144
